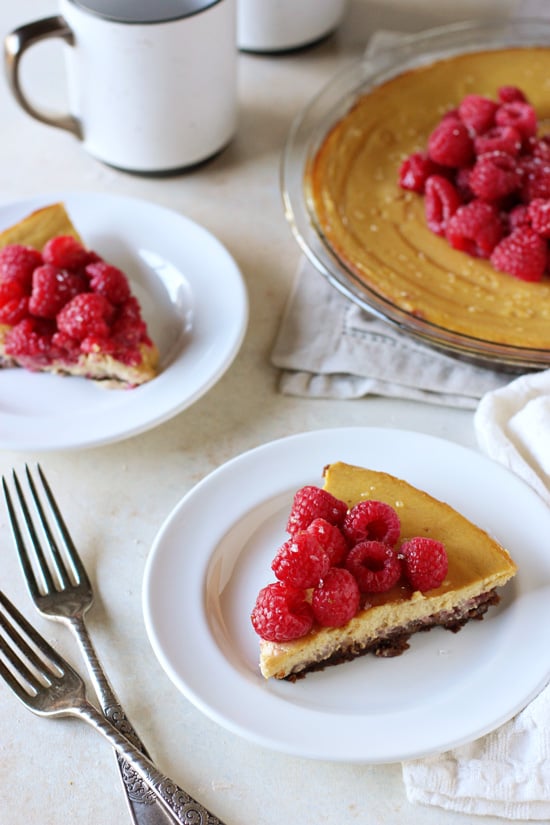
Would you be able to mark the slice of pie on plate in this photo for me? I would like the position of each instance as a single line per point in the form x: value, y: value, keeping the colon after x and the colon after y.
x: 472, y: 567
x: 63, y: 309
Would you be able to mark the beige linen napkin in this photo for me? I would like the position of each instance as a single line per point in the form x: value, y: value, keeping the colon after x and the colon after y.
x: 506, y: 773
x: 328, y: 347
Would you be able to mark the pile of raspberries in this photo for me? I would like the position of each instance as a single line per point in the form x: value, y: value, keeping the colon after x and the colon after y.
x: 334, y: 558
x: 485, y: 177
x: 65, y: 301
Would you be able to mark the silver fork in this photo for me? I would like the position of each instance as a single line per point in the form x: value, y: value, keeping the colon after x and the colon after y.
x: 48, y: 685
x: 61, y: 590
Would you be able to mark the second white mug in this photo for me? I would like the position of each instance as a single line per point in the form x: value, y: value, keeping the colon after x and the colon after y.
x: 279, y: 25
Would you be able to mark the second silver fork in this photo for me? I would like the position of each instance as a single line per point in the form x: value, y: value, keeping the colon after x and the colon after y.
x: 61, y: 590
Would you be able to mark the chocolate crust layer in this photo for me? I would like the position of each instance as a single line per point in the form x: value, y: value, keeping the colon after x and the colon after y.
x: 397, y: 641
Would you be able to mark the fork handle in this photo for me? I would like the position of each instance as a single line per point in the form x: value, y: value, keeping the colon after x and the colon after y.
x: 175, y: 800
x: 108, y: 700
x: 145, y: 808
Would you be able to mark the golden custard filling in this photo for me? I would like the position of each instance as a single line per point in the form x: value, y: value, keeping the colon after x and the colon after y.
x: 379, y: 231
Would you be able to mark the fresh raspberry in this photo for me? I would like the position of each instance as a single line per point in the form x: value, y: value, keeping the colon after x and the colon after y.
x: 450, y: 144
x: 535, y: 178
x: 511, y: 94
x: 31, y: 341
x: 441, y: 201
x: 451, y: 114
x: 415, y: 171
x: 14, y: 303
x: 522, y: 254
x: 17, y: 263
x: 86, y: 314
x: 517, y: 216
x: 477, y: 112
x: 11, y: 290
x: 462, y: 184
x: 538, y: 213
x: 52, y: 288
x: 128, y: 326
x: 520, y: 115
x: 505, y: 139
x: 331, y: 539
x: 109, y: 281
x: 301, y: 561
x: 312, y: 502
x: 281, y: 613
x: 65, y: 252
x: 372, y: 520
x: 540, y: 148
x: 13, y: 310
x: 69, y: 348
x: 336, y: 600
x: 375, y: 566
x: 99, y: 344
x: 475, y: 228
x: 494, y: 176
x: 425, y: 563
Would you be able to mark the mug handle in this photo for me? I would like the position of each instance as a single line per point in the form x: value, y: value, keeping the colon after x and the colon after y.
x: 15, y: 44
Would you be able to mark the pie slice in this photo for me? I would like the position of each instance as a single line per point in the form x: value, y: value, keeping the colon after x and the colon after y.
x: 477, y: 566
x: 63, y: 309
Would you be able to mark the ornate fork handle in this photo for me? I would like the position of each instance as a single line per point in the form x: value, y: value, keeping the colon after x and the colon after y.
x: 176, y: 801
x: 136, y: 788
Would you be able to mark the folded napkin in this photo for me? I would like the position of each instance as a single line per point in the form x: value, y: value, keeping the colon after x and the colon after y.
x: 328, y: 347
x: 507, y: 772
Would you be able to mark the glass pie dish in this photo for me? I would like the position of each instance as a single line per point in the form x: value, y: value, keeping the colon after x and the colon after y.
x: 315, y: 122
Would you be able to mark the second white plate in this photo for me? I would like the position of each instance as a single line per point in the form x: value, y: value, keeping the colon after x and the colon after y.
x: 213, y: 555
x: 195, y: 304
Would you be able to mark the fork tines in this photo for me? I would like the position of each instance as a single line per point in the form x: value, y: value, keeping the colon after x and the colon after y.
x: 20, y: 646
x: 55, y: 572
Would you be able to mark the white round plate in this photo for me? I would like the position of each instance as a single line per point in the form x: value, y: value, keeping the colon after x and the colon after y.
x: 213, y: 554
x: 194, y: 302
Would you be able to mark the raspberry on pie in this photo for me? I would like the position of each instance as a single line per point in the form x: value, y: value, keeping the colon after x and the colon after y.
x: 281, y: 613
x: 523, y: 253
x: 442, y: 201
x: 475, y: 228
x: 375, y: 566
x: 301, y: 561
x: 312, y: 502
x: 477, y: 112
x: 336, y: 599
x: 65, y: 310
x: 450, y: 143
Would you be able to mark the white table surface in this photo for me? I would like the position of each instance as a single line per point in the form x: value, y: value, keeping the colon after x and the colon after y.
x: 116, y: 497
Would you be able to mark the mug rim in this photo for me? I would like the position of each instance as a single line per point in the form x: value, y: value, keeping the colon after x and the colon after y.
x: 194, y: 7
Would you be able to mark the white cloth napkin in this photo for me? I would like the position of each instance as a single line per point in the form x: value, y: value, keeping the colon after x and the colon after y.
x: 328, y: 347
x: 506, y: 773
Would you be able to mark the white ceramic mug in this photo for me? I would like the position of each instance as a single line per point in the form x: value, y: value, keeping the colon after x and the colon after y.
x: 152, y: 83
x: 279, y: 25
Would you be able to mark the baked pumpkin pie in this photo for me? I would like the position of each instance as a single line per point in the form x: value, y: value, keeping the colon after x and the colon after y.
x: 476, y: 565
x: 378, y: 230
x: 63, y: 309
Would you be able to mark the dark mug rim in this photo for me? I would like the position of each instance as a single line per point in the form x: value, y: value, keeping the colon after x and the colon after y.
x: 189, y: 8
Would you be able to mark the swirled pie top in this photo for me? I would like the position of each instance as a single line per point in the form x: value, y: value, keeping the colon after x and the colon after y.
x: 378, y: 230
